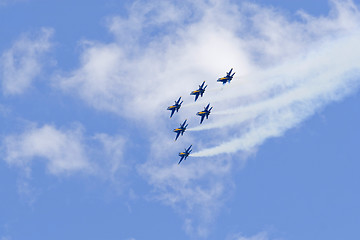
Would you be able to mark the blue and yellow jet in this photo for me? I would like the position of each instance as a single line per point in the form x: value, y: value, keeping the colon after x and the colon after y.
x: 204, y: 113
x: 200, y: 91
x: 175, y: 107
x: 185, y: 154
x: 227, y: 78
x: 181, y: 129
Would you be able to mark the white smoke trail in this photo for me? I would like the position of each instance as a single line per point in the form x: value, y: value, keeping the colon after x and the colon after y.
x: 308, y: 83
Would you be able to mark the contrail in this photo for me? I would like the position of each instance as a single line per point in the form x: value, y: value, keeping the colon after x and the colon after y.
x: 240, y: 84
x: 308, y: 83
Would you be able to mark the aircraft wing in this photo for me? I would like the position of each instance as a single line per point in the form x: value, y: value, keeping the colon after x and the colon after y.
x: 196, y: 97
x: 177, y: 135
x: 182, y: 157
x: 172, y: 112
x: 202, y: 118
x: 207, y: 107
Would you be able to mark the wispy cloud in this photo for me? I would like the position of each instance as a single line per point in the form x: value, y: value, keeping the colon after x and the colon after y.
x: 7, y: 2
x: 111, y: 149
x: 63, y: 151
x: 287, y: 69
x: 24, y: 61
x: 3, y: 2
x: 6, y: 238
x: 259, y: 236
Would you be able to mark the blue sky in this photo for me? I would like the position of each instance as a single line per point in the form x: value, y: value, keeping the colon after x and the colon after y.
x: 87, y: 148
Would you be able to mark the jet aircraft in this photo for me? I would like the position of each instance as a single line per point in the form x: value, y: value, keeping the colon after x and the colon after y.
x: 185, y: 154
x: 200, y: 91
x: 204, y: 113
x: 227, y: 78
x: 181, y: 129
x: 175, y: 107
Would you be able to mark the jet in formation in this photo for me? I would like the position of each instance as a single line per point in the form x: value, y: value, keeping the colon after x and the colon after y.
x: 185, y: 154
x: 175, y: 107
x: 199, y: 92
x: 227, y: 78
x: 204, y: 113
x: 181, y: 129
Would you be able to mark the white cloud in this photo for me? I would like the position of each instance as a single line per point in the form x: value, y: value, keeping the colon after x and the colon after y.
x: 7, y: 2
x: 119, y: 78
x: 286, y: 71
x: 6, y: 238
x: 259, y: 236
x: 66, y: 151
x: 23, y: 62
x: 63, y: 151
x: 111, y: 149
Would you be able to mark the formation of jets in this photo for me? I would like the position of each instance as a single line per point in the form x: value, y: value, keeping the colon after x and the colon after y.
x: 205, y: 113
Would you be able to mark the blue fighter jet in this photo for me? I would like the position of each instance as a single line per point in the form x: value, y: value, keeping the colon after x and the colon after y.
x: 200, y: 91
x: 204, y: 113
x: 181, y: 129
x: 175, y: 107
x: 185, y: 154
x: 227, y: 78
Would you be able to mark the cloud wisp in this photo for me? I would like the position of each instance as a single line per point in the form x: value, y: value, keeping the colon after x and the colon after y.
x: 259, y: 236
x: 23, y: 62
x: 64, y: 151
